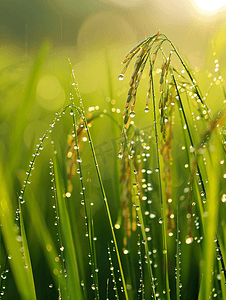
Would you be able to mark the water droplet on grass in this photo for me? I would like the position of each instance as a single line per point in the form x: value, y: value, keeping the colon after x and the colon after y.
x: 152, y: 215
x: 121, y: 77
x: 189, y: 240
x: 223, y: 198
x: 146, y: 110
x: 120, y: 155
x: 19, y: 238
x: 132, y: 114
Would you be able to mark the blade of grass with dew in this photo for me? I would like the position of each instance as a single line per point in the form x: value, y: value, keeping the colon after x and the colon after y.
x: 27, y: 258
x: 31, y: 167
x: 188, y: 140
x: 72, y: 265
x: 94, y: 255
x: 106, y: 207
x: 162, y: 207
x: 81, y: 112
x: 141, y: 288
x: 177, y: 273
x: 46, y: 241
x: 113, y: 274
x: 210, y: 222
x: 141, y: 221
x: 113, y: 130
x: 24, y: 282
x: 222, y: 278
x: 88, y: 217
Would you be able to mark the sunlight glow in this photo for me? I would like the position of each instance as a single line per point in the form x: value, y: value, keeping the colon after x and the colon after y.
x: 210, y: 5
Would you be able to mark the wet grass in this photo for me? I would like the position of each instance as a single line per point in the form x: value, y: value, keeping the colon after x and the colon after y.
x: 146, y: 223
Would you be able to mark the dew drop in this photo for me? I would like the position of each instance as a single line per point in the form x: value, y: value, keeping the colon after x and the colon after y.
x: 146, y: 110
x: 223, y: 198
x: 192, y: 149
x: 132, y: 114
x: 121, y: 77
x: 120, y: 155
x: 19, y: 238
x: 186, y: 190
x: 189, y: 240
x: 117, y: 226
x: 152, y: 215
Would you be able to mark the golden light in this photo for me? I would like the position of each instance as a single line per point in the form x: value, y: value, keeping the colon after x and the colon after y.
x: 210, y: 6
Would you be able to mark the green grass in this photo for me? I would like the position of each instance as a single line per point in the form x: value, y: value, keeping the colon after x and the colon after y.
x: 116, y: 207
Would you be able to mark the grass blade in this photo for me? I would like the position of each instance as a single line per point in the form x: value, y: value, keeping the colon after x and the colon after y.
x: 23, y: 277
x: 72, y: 265
x: 210, y: 223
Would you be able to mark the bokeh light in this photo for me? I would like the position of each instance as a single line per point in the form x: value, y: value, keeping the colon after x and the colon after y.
x: 50, y: 94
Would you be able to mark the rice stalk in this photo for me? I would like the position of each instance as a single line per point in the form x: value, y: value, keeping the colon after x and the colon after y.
x: 177, y: 87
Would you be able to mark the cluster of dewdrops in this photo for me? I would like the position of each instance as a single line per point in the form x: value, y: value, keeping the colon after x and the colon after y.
x: 39, y: 148
x: 56, y: 223
x: 141, y: 291
x: 3, y: 278
x: 83, y: 202
x: 112, y: 270
x: 27, y: 181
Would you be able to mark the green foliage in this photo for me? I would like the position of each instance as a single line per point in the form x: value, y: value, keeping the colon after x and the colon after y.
x: 151, y: 224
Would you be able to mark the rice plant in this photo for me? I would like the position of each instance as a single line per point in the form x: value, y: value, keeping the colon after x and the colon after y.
x: 164, y: 236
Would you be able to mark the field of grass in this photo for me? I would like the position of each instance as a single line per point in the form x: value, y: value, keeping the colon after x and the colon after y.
x: 115, y: 191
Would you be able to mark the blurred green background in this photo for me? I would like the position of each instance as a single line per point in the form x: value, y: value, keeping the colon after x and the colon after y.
x: 95, y: 35
x: 37, y: 37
